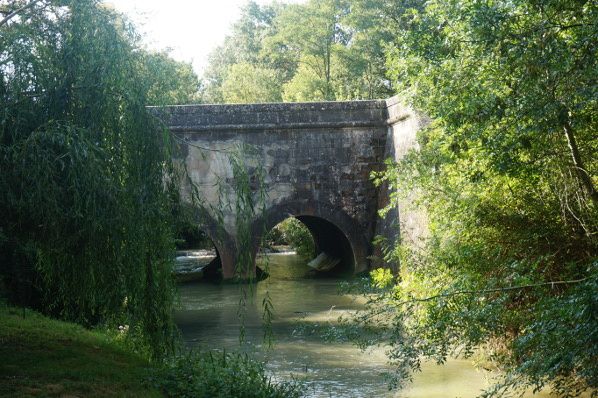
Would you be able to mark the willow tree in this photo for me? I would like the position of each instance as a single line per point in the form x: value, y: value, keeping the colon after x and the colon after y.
x: 507, y: 173
x: 87, y: 186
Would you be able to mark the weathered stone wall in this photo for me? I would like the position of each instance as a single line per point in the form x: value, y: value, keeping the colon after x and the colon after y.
x: 405, y: 221
x: 316, y: 157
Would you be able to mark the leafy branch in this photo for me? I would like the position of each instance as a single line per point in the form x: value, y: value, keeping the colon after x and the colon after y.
x: 16, y: 12
x: 494, y: 290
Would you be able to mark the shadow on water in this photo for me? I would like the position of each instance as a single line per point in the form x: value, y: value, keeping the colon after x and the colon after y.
x: 208, y: 319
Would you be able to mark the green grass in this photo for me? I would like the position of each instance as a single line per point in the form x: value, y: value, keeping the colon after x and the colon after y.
x: 41, y: 357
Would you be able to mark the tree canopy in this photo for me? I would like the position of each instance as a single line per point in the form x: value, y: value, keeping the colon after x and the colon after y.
x: 506, y: 171
x: 318, y: 50
x: 87, y: 188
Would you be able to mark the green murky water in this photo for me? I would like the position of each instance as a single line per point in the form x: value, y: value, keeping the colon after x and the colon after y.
x: 209, y: 319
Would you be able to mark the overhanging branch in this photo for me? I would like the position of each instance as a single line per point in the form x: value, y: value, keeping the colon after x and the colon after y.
x: 494, y: 290
x: 17, y: 12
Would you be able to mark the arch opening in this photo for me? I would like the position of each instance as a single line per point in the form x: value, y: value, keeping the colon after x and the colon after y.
x: 197, y: 257
x: 305, y: 246
x: 331, y: 242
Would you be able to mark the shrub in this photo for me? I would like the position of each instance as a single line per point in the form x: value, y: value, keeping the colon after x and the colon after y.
x: 221, y: 374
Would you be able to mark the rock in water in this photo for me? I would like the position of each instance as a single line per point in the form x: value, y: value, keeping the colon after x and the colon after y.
x: 323, y: 262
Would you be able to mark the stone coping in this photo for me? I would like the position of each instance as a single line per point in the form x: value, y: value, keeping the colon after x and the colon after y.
x: 281, y: 116
x: 273, y: 116
x: 276, y: 106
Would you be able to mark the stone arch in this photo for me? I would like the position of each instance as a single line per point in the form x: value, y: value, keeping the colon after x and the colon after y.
x: 332, y: 228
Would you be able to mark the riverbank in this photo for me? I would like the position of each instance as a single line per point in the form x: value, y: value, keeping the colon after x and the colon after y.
x: 42, y: 357
x: 49, y: 358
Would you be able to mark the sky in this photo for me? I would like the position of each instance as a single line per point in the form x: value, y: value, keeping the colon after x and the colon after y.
x: 191, y: 28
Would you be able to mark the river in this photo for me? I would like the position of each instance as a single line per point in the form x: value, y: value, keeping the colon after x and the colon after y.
x: 208, y: 319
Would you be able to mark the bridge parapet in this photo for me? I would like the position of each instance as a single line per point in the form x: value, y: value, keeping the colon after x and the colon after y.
x: 273, y: 116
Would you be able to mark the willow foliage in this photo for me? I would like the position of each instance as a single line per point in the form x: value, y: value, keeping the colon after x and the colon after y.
x: 86, y: 184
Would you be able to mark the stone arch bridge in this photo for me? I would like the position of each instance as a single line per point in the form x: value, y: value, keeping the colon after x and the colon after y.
x: 315, y: 161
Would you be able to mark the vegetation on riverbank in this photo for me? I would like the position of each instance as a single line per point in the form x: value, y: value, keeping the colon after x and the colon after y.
x: 88, y: 189
x: 506, y: 172
x: 295, y: 235
x: 50, y: 358
x: 220, y: 374
x: 46, y: 357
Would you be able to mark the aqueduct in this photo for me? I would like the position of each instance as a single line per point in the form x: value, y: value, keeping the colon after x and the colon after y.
x: 314, y: 161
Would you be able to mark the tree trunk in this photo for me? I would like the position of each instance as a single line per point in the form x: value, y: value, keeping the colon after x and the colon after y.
x: 327, y: 71
x: 582, y: 173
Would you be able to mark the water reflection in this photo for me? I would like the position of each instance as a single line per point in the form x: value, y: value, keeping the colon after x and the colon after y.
x: 209, y: 319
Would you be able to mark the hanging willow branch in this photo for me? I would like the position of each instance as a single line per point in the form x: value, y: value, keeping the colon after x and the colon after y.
x: 87, y: 184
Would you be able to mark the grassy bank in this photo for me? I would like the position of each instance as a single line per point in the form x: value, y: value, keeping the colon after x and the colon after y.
x: 42, y: 357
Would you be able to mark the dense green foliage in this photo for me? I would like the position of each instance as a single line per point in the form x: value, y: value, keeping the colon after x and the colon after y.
x: 221, y: 374
x: 247, y: 83
x: 87, y: 188
x: 319, y: 50
x: 506, y: 171
x: 295, y: 234
x: 168, y: 82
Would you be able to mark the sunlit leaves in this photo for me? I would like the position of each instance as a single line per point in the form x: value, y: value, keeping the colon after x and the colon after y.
x: 499, y: 179
x: 246, y: 83
x: 318, y: 50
